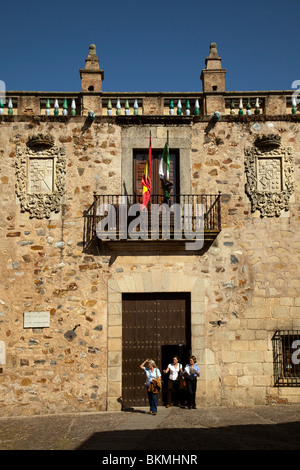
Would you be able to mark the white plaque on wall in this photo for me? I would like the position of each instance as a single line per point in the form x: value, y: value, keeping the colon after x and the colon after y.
x: 2, y: 353
x: 37, y: 319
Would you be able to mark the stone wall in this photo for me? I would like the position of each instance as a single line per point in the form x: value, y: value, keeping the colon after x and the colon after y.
x: 43, y: 268
x: 244, y: 287
x: 253, y: 276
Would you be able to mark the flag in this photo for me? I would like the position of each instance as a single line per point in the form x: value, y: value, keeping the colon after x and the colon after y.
x: 164, y: 174
x: 146, y: 180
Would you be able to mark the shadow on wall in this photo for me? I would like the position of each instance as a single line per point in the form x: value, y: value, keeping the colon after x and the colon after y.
x: 249, y: 437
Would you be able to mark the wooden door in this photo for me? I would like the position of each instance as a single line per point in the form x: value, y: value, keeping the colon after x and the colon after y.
x: 154, y: 326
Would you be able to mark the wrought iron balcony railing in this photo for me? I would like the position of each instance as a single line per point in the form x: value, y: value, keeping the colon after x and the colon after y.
x: 123, y: 217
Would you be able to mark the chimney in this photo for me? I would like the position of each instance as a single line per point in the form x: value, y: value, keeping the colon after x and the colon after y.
x: 91, y: 76
x: 213, y: 76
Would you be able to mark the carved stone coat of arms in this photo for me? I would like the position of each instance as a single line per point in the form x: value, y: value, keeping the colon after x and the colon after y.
x: 40, y: 177
x: 269, y: 171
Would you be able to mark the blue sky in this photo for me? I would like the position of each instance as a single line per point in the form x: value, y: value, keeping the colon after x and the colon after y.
x: 149, y: 46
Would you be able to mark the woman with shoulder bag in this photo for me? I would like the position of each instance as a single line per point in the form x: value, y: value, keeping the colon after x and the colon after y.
x: 153, y: 383
x: 174, y: 370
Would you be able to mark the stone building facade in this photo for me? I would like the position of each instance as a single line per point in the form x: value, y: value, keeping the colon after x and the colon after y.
x: 62, y: 289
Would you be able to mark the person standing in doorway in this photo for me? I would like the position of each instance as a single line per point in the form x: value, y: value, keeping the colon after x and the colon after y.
x: 153, y: 383
x: 174, y: 370
x: 191, y: 372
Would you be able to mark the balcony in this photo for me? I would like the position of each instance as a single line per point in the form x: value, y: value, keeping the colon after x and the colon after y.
x: 125, y: 106
x: 121, y: 222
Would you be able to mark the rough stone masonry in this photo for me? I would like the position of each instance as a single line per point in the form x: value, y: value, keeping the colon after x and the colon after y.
x: 61, y: 306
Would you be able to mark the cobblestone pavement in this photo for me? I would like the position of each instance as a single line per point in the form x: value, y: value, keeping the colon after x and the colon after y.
x: 219, y: 428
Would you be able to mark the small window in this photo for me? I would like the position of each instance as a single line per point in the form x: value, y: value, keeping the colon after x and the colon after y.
x: 215, y: 88
x: 286, y: 358
x: 91, y: 88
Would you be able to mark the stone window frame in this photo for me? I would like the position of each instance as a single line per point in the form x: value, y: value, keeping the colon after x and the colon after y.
x: 179, y: 139
x: 40, y: 205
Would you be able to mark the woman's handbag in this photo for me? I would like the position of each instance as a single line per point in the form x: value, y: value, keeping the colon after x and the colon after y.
x: 155, y: 386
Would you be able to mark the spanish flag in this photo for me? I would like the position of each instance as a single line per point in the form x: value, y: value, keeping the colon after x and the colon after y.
x: 146, y: 180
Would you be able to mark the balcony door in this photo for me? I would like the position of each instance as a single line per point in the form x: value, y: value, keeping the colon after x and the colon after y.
x: 139, y: 162
x: 155, y: 326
